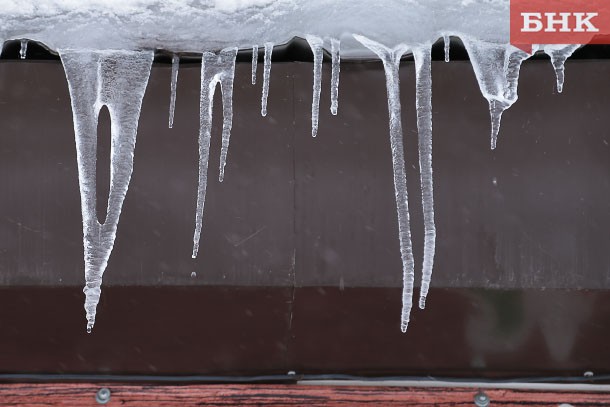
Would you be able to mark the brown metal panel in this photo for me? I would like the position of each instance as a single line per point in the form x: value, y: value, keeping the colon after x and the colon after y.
x: 531, y: 214
x: 145, y: 330
x: 318, y: 214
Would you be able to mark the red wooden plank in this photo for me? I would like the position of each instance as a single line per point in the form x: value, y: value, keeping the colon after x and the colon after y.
x: 83, y: 394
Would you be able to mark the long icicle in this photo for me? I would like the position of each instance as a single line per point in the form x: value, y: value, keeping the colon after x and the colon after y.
x: 254, y: 63
x: 391, y: 64
x: 116, y: 79
x: 335, y: 47
x: 227, y: 58
x: 214, y: 69
x: 423, y: 101
x: 316, y: 44
x: 174, y: 82
x: 266, y: 76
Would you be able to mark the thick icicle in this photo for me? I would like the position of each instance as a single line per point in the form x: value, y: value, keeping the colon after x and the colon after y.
x: 266, y: 75
x: 423, y: 78
x: 497, y: 70
x: 117, y: 80
x: 254, y: 63
x: 316, y: 43
x: 391, y: 64
x: 447, y: 42
x: 174, y: 82
x: 335, y: 46
x: 559, y: 54
x: 214, y: 69
x: 24, y: 49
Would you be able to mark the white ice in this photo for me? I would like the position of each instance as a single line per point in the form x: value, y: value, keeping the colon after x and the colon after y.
x: 391, y: 63
x: 174, y: 82
x: 84, y: 31
x: 215, y: 69
x: 316, y: 44
x: 335, y: 47
x: 266, y: 77
x: 212, y: 25
x: 117, y: 80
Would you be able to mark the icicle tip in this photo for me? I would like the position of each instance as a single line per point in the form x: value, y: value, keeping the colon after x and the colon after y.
x: 422, y: 302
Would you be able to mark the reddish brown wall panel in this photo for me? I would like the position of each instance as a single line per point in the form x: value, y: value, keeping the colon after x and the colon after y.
x: 281, y: 395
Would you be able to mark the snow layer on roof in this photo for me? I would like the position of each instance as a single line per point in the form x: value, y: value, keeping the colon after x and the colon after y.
x: 196, y: 25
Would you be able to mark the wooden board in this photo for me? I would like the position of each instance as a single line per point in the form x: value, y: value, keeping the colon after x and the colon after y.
x: 83, y: 394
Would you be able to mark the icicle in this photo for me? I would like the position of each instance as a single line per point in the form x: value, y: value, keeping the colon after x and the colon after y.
x: 214, y: 69
x: 447, y: 42
x: 172, y: 100
x: 335, y: 46
x: 266, y: 75
x: 423, y: 75
x: 24, y: 49
x: 391, y: 63
x: 497, y: 70
x: 316, y: 43
x: 116, y: 79
x: 254, y: 63
x: 559, y: 54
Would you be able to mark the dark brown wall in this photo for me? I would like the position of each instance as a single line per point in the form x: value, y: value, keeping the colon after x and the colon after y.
x: 320, y: 214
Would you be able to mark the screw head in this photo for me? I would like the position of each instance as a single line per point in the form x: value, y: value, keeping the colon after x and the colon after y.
x: 103, y: 395
x: 481, y: 399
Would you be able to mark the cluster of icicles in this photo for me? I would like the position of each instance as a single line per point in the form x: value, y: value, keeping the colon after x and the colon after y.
x: 118, y: 79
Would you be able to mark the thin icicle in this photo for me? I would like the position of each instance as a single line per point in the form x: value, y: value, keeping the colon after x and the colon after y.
x: 266, y: 75
x: 423, y: 78
x: 559, y: 54
x: 254, y: 63
x: 172, y: 100
x: 497, y: 70
x: 447, y: 42
x: 117, y: 80
x: 335, y: 47
x: 24, y: 49
x: 214, y: 69
x: 391, y: 64
x: 316, y: 43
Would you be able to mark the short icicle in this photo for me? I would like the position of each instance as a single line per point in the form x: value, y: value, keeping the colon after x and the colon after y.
x: 559, y: 54
x: 214, y: 69
x: 174, y: 82
x: 423, y: 101
x: 496, y: 67
x: 117, y: 80
x: 391, y: 64
x: 23, y: 51
x: 316, y: 43
x: 447, y: 42
x: 254, y: 63
x: 266, y: 77
x: 335, y: 46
